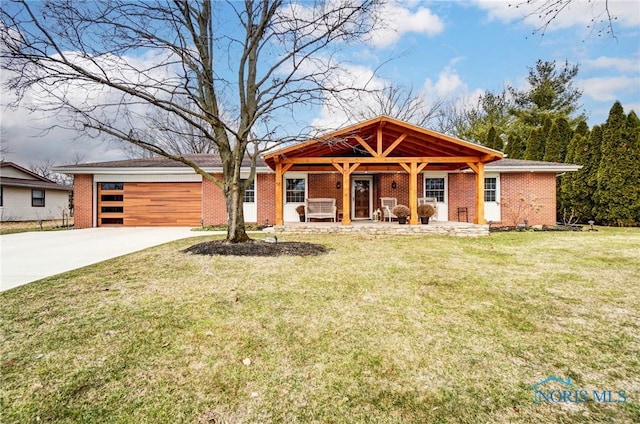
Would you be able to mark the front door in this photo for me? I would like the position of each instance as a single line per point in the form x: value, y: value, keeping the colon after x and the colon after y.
x: 361, y: 197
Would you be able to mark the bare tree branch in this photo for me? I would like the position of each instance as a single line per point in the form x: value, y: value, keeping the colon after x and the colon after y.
x: 170, y: 75
x: 548, y: 11
x: 401, y: 103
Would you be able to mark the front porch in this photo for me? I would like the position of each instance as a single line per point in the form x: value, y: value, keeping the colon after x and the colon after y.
x: 444, y: 228
x: 379, y: 158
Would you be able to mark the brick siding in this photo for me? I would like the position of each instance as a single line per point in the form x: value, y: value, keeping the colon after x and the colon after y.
x: 214, y: 210
x: 83, y: 201
x: 538, y: 186
x: 324, y: 185
x: 265, y: 196
x: 541, y: 186
x: 401, y: 192
x: 462, y: 194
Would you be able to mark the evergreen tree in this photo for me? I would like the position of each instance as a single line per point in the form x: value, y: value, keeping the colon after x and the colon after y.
x: 551, y: 94
x: 493, y: 140
x: 535, y: 145
x: 582, y: 128
x: 616, y: 195
x: 474, y: 122
x: 558, y: 141
x: 556, y: 151
x: 515, y: 147
x: 633, y: 165
x: 513, y: 112
x: 565, y: 136
x: 552, y: 144
x: 578, y: 188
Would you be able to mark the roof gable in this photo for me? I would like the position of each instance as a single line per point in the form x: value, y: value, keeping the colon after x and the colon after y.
x: 14, y: 171
x: 384, y: 137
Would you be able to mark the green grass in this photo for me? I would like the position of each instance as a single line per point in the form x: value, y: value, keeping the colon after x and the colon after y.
x: 13, y: 227
x: 383, y: 329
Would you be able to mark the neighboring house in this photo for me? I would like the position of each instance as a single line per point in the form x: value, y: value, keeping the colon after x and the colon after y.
x: 27, y: 196
x: 357, y: 165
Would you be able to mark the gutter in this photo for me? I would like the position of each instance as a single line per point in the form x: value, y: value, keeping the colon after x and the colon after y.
x: 185, y: 170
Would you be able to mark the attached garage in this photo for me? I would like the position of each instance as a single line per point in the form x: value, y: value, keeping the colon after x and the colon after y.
x: 149, y: 204
x: 159, y: 192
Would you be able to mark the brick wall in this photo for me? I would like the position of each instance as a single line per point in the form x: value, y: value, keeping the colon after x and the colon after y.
x: 538, y: 186
x: 83, y: 201
x: 462, y: 194
x: 401, y: 192
x: 266, y: 198
x: 324, y: 185
x: 214, y: 211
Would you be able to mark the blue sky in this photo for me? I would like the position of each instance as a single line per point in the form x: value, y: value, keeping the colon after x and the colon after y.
x: 484, y: 45
x: 450, y: 50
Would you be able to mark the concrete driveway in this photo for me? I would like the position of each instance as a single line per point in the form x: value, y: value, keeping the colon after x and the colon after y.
x: 27, y: 257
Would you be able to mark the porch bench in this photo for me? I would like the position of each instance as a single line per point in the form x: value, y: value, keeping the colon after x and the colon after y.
x: 320, y: 208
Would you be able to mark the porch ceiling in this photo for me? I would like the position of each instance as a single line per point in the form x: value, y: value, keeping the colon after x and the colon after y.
x: 379, y: 145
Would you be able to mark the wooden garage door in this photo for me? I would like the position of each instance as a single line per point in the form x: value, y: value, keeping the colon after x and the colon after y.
x: 162, y: 204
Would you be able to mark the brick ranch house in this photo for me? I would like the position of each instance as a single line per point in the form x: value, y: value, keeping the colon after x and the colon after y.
x: 356, y: 166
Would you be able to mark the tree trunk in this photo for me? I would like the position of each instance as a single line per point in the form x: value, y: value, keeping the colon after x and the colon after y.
x: 236, y: 231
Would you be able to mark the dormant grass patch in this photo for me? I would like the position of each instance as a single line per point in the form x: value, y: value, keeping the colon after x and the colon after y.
x: 380, y: 329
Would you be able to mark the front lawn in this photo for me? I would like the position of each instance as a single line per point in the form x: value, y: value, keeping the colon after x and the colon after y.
x: 382, y: 329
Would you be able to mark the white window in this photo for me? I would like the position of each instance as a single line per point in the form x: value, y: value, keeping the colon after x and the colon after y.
x: 295, y: 190
x: 490, y: 189
x: 434, y: 187
x: 249, y: 193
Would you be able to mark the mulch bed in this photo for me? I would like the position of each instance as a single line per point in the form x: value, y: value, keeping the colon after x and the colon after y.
x: 256, y: 248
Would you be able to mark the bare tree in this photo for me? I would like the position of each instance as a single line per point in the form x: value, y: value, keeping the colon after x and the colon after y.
x: 5, y: 149
x: 547, y: 11
x: 44, y: 167
x: 180, y: 138
x: 401, y: 103
x: 230, y: 73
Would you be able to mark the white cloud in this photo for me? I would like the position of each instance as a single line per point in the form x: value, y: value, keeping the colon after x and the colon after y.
x: 400, y: 19
x: 575, y: 13
x: 628, y: 107
x: 338, y: 111
x: 46, y: 132
x: 607, y: 88
x: 448, y: 84
x: 620, y: 64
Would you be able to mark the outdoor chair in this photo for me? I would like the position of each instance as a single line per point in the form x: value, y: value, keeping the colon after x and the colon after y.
x: 387, y: 204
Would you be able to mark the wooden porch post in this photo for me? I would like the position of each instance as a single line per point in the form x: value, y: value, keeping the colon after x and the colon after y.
x: 413, y: 169
x: 346, y: 170
x: 479, y: 194
x: 346, y: 196
x: 279, y: 196
x: 413, y: 193
x: 280, y: 170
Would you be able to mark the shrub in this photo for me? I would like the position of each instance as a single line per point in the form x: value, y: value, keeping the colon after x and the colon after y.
x: 426, y: 211
x: 400, y: 211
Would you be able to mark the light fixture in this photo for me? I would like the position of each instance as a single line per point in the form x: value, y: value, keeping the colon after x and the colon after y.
x: 394, y: 185
x: 338, y: 185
